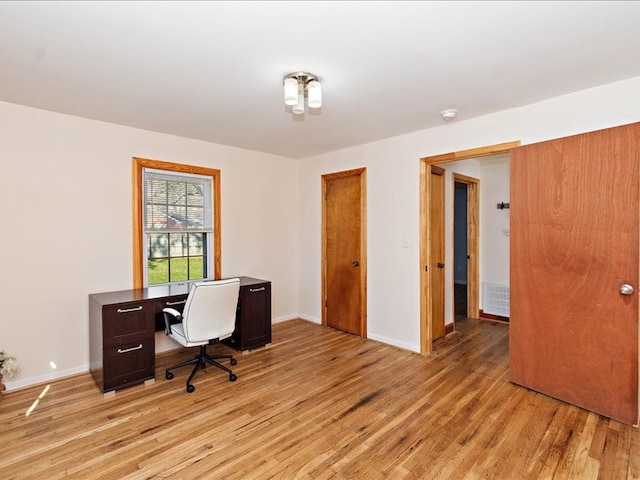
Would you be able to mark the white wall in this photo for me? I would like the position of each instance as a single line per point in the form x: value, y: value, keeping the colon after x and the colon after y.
x: 494, y: 223
x: 66, y: 199
x: 393, y: 195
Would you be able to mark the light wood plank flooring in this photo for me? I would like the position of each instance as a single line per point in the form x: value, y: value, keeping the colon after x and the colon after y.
x: 317, y: 404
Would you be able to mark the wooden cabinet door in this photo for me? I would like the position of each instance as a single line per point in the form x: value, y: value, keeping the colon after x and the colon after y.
x: 574, y: 243
x: 253, y: 316
x: 254, y: 324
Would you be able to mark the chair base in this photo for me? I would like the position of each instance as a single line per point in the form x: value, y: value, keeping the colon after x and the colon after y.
x: 201, y: 361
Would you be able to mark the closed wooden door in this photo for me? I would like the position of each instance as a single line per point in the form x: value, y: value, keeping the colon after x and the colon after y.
x: 344, y: 253
x: 574, y: 245
x: 436, y: 264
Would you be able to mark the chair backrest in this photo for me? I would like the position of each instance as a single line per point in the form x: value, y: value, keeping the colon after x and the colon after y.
x: 210, y: 309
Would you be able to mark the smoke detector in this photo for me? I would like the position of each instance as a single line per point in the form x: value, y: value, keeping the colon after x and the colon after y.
x: 449, y: 114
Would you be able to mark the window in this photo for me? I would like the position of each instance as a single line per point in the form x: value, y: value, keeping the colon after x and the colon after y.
x: 177, y: 224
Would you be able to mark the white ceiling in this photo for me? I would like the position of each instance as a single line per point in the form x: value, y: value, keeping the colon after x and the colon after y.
x: 214, y: 70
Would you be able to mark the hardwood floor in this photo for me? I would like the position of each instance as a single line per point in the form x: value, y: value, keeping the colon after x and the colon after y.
x: 317, y: 404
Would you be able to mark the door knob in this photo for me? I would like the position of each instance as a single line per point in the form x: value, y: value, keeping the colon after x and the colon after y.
x: 440, y: 265
x: 355, y: 264
x: 626, y: 289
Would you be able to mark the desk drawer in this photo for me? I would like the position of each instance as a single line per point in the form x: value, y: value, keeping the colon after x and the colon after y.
x: 127, y: 323
x: 176, y: 302
x: 128, y: 364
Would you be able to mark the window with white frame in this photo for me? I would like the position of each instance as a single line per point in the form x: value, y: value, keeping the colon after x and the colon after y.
x: 177, y: 226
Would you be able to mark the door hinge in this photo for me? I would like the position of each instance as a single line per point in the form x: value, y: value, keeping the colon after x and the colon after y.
x: 426, y: 268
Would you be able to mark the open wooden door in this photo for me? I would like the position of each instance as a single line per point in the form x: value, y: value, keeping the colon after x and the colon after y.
x: 574, y: 261
x: 436, y: 257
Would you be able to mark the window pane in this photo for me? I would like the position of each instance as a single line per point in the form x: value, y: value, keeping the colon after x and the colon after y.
x: 158, y: 245
x: 195, y: 217
x: 176, y: 193
x: 196, y: 244
x: 177, y: 247
x: 156, y: 191
x: 177, y: 216
x: 156, y: 217
x: 196, y: 270
x: 158, y: 271
x: 178, y: 269
x: 195, y: 195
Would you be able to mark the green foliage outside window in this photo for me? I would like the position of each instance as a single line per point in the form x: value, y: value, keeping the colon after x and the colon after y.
x: 182, y: 269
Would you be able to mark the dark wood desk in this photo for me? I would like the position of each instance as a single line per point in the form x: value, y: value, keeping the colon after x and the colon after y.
x: 122, y: 328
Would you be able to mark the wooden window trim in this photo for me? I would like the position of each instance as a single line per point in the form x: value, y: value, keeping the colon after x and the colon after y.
x: 138, y: 258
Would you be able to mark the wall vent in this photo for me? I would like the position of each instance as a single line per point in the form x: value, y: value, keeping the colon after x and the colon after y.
x: 495, y: 299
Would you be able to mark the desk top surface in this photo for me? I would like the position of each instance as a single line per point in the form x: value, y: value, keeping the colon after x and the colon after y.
x: 156, y: 292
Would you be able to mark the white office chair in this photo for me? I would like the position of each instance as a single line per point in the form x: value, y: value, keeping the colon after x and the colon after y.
x: 209, y: 315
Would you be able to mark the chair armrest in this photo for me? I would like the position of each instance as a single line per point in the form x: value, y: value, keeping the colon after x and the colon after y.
x: 170, y: 314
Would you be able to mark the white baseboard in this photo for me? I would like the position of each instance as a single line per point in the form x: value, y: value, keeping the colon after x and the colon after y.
x: 310, y: 318
x: 389, y: 341
x: 49, y: 377
x: 283, y: 318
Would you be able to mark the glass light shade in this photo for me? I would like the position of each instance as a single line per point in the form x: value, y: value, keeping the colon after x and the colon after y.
x: 314, y: 92
x: 298, y: 108
x: 290, y: 91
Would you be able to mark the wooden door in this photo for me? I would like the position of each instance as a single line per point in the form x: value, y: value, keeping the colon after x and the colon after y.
x: 344, y: 252
x: 574, y: 242
x: 436, y: 264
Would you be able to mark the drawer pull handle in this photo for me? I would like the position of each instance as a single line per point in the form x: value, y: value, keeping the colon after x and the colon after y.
x: 126, y: 350
x: 168, y: 304
x: 256, y: 289
x: 126, y: 310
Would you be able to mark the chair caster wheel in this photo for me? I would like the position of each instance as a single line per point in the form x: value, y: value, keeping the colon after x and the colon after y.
x: 232, y: 377
x: 233, y: 361
x: 168, y: 375
x: 190, y: 388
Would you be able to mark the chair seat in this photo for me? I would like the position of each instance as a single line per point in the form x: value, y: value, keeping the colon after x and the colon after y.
x: 177, y: 333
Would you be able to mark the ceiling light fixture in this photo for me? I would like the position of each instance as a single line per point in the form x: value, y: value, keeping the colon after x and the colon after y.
x: 449, y: 114
x: 300, y: 86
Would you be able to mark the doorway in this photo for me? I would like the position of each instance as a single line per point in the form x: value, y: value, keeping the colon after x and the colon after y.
x: 426, y: 321
x: 467, y: 206
x: 344, y: 253
x: 460, y: 252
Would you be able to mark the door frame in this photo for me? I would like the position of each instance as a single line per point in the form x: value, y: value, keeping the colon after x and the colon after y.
x: 362, y: 174
x: 473, y: 243
x: 426, y: 341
